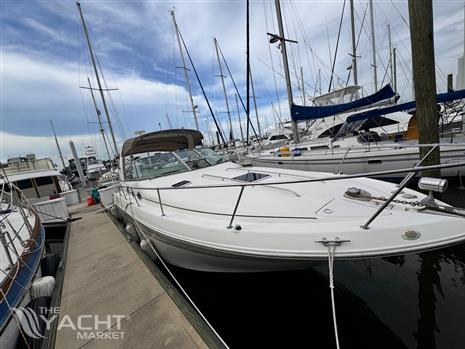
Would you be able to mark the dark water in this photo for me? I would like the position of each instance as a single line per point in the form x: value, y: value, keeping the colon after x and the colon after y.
x: 413, y: 301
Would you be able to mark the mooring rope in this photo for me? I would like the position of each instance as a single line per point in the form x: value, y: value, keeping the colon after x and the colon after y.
x: 174, y: 278
x: 331, y: 253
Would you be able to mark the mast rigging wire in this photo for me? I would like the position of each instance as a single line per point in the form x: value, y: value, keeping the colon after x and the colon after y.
x: 337, y: 45
x: 235, y: 87
x: 203, y: 91
x: 271, y: 57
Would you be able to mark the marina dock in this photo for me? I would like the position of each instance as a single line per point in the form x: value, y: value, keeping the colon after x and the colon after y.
x: 106, y: 278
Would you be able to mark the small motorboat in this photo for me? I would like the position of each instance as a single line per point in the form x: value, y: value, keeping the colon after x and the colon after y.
x: 204, y: 213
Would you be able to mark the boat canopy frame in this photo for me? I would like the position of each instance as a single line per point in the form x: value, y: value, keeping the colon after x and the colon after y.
x: 167, y: 140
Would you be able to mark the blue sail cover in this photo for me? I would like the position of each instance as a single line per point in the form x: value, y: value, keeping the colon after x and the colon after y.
x: 299, y: 112
x: 441, y: 98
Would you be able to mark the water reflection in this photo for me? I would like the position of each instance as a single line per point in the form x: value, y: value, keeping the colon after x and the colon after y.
x: 411, y: 301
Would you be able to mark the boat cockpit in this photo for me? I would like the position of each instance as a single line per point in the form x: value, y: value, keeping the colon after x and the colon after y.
x: 156, y: 164
x: 162, y: 153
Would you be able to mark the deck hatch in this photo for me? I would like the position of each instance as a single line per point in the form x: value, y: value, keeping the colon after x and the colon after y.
x: 180, y: 184
x: 251, y: 177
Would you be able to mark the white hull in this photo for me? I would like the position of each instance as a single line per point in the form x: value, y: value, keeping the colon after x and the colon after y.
x: 362, y: 162
x: 198, y: 258
x: 189, y: 237
x: 209, y: 215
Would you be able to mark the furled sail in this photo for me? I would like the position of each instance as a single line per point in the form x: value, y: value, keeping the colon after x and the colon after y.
x: 441, y: 98
x: 299, y: 112
x: 355, y: 121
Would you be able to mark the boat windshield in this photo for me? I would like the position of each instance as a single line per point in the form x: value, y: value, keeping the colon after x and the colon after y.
x: 156, y: 164
x: 211, y: 156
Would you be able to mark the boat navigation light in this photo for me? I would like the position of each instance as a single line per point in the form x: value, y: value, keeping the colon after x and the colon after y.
x: 437, y: 185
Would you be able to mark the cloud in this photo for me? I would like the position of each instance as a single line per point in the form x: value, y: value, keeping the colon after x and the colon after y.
x: 45, y: 58
x: 12, y: 145
x: 53, y: 34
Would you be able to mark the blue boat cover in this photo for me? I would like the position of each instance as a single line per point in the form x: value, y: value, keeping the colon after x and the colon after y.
x: 441, y: 98
x: 299, y: 112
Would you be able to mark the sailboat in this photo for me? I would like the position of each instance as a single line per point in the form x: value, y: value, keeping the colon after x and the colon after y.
x: 22, y: 289
x: 353, y: 146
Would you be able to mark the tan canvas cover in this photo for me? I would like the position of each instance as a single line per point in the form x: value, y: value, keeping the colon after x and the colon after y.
x: 167, y: 140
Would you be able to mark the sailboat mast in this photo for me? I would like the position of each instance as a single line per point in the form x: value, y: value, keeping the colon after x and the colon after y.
x: 231, y: 134
x: 58, y: 145
x: 255, y: 105
x: 390, y: 54
x: 303, y: 87
x: 394, y: 62
x: 247, y: 109
x: 97, y: 111
x: 91, y: 52
x: 186, y: 75
x: 285, y: 64
x: 373, y: 47
x: 239, y: 117
x: 354, y: 43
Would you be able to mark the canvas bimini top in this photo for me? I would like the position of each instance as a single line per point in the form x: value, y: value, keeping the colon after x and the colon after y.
x: 167, y: 140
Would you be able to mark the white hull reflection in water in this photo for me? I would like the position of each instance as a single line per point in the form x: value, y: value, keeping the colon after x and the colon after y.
x: 206, y: 214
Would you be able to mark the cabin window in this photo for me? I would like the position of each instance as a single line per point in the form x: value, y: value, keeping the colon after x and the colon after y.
x: 24, y: 184
x: 46, y: 186
x: 251, y: 177
x: 44, y: 181
x: 319, y: 147
x: 277, y: 137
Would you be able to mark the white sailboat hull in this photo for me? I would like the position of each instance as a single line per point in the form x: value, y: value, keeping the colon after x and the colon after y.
x: 362, y: 161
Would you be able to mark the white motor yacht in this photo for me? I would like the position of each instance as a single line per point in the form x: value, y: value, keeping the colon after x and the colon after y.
x: 201, y: 212
x: 47, y: 189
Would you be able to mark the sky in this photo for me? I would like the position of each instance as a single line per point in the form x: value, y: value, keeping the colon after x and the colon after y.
x: 45, y: 63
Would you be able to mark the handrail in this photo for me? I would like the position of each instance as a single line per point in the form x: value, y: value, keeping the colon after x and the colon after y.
x: 321, y: 179
x: 410, y: 175
x: 235, y: 208
x: 400, y: 187
x: 265, y: 171
x: 342, y: 160
x: 20, y: 202
x: 419, y: 163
